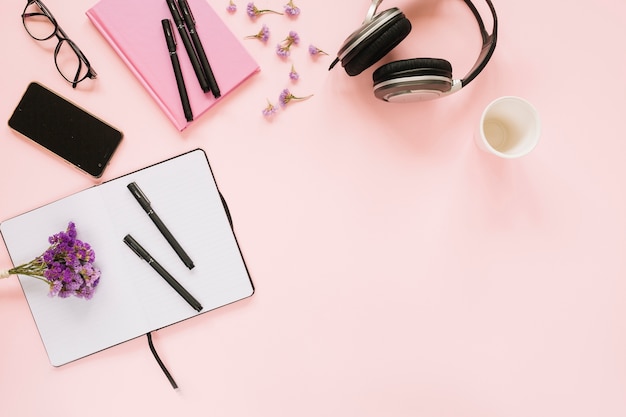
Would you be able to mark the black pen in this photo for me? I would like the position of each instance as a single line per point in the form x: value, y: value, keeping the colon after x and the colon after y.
x: 180, y: 82
x: 147, y: 206
x: 143, y: 254
x: 191, y: 52
x: 191, y: 27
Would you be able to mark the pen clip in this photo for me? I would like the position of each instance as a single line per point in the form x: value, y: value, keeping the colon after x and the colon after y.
x: 169, y: 35
x: 186, y: 11
x: 139, y: 195
x: 132, y: 243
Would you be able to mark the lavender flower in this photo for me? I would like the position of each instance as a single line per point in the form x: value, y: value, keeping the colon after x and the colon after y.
x: 270, y: 110
x: 293, y: 74
x: 286, y: 96
x: 314, y: 50
x: 67, y: 266
x: 254, y: 12
x: 232, y: 7
x: 282, y: 49
x: 263, y: 35
x: 292, y: 38
x: 291, y: 9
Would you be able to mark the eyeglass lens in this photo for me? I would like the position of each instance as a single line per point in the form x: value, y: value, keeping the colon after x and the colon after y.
x: 69, y: 60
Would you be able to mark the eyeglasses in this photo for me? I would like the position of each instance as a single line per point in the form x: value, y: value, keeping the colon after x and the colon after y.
x: 68, y: 58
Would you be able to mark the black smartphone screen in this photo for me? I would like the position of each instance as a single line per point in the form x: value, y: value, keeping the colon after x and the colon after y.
x: 65, y: 129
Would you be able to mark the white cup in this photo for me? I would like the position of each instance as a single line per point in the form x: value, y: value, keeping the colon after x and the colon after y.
x: 509, y: 127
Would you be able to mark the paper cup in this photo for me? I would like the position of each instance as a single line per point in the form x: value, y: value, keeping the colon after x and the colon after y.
x: 509, y: 127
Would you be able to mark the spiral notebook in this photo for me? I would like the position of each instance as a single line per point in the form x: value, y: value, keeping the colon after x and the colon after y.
x: 133, y: 29
x: 132, y: 299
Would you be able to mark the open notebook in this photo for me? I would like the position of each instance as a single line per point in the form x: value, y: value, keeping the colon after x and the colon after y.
x: 133, y: 29
x: 131, y: 298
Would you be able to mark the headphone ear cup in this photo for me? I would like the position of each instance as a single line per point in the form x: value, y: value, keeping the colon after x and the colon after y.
x: 412, y: 68
x: 414, y: 79
x: 372, y: 50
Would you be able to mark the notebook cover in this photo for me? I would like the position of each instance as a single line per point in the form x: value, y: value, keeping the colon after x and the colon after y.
x: 131, y: 298
x: 133, y: 28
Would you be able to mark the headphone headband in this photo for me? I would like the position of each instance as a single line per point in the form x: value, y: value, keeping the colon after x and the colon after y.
x: 372, y: 10
x: 489, y: 41
x: 375, y: 23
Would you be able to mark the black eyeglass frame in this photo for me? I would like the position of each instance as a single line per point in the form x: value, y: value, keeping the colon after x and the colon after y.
x: 62, y: 37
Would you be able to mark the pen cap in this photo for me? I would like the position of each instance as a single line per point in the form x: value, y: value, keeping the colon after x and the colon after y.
x: 132, y: 243
x: 178, y: 20
x: 169, y: 35
x: 139, y: 196
x: 186, y: 11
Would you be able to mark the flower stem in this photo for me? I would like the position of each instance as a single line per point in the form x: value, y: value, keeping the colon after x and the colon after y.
x: 34, y: 269
x: 16, y: 271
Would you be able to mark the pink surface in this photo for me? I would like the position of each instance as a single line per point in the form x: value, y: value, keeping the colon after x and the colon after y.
x: 399, y: 271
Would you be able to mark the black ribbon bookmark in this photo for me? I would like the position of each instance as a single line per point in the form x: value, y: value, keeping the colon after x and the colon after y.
x: 160, y: 362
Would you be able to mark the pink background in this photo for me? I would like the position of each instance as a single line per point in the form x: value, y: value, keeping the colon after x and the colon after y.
x: 399, y: 271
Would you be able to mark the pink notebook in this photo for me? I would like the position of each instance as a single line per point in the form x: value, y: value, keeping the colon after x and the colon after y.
x: 133, y: 28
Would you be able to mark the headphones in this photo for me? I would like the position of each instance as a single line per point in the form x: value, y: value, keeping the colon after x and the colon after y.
x: 407, y: 80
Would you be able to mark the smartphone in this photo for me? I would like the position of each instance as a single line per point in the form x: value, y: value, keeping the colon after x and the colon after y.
x: 65, y: 129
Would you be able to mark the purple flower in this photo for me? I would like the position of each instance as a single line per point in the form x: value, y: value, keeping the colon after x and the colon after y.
x: 270, y: 110
x: 253, y: 12
x: 232, y: 7
x: 293, y: 74
x: 291, y: 9
x: 263, y: 35
x: 66, y: 266
x: 282, y: 49
x: 286, y: 96
x: 293, y: 38
x: 314, y: 50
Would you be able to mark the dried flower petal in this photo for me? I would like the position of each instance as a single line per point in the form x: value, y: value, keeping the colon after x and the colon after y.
x: 270, y: 110
x: 232, y: 7
x: 286, y: 96
x: 253, y: 12
x: 263, y: 35
x: 291, y: 9
x: 293, y: 74
x: 293, y: 38
x: 314, y: 50
x: 66, y: 266
x: 282, y: 49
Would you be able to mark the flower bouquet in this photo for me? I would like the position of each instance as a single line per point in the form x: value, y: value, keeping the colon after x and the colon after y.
x: 67, y: 266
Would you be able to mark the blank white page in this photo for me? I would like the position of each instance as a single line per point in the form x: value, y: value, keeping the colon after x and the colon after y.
x: 132, y: 299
